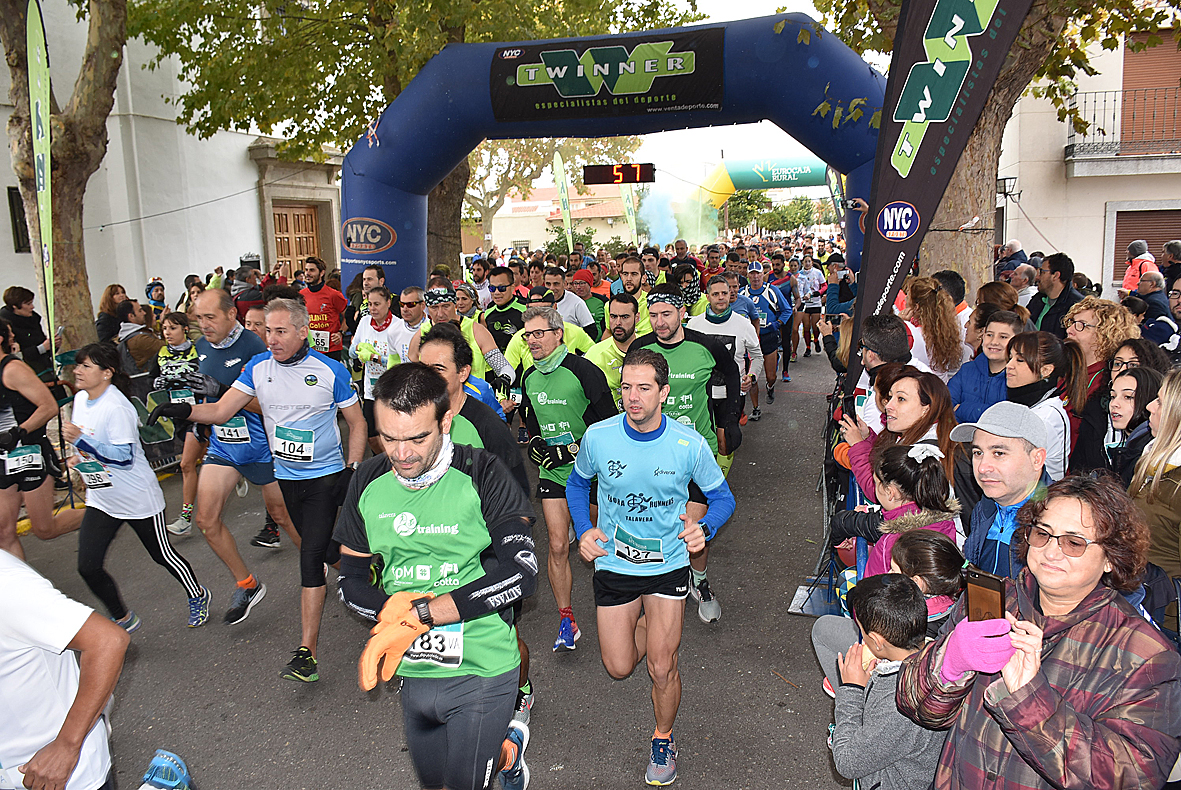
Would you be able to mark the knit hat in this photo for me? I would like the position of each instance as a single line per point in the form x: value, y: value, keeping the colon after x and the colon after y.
x: 1137, y: 248
x: 585, y: 276
x: 157, y: 281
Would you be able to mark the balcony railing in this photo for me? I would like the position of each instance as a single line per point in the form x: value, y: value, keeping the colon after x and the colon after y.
x: 1131, y: 122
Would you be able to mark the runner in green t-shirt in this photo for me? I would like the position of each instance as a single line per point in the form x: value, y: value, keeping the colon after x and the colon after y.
x: 434, y: 511
x: 562, y: 394
x: 692, y: 360
x: 608, y: 353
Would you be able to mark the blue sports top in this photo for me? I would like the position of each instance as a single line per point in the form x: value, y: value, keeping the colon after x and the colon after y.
x: 643, y: 489
x: 299, y: 404
x: 242, y: 439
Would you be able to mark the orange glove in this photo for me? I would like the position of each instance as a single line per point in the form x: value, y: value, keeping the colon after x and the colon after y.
x: 397, y: 627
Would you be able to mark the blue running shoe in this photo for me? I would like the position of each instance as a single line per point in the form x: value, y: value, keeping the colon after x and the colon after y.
x: 568, y: 634
x: 516, y: 776
x: 130, y: 622
x: 199, y: 609
x: 662, y: 768
x: 168, y: 772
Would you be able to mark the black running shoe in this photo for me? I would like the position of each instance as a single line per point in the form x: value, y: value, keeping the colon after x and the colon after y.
x: 244, y: 601
x: 267, y: 537
x: 302, y: 666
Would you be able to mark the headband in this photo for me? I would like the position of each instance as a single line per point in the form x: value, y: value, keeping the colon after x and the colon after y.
x: 676, y: 300
x: 438, y: 296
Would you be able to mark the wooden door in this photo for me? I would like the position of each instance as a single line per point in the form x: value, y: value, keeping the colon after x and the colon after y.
x: 296, y: 236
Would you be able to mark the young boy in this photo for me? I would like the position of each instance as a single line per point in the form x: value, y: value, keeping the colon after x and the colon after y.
x: 871, y: 741
x: 981, y: 382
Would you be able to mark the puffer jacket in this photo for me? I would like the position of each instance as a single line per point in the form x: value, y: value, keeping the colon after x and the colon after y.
x: 1103, y: 711
x: 1163, y: 513
x: 904, y: 519
x: 973, y: 389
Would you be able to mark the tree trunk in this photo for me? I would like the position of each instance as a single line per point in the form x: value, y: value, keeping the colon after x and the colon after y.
x: 444, y: 240
x: 972, y: 190
x: 78, y: 135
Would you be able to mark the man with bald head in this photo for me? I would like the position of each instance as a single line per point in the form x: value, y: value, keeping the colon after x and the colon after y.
x: 1151, y: 288
x: 1024, y: 278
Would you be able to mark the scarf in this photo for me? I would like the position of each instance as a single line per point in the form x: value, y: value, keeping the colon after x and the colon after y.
x: 315, y: 288
x: 550, y: 364
x: 384, y: 325
x: 298, y: 356
x: 718, y: 318
x: 183, y: 348
x: 1030, y: 393
x: 692, y: 292
x: 649, y: 278
x: 231, y: 338
x: 435, y: 473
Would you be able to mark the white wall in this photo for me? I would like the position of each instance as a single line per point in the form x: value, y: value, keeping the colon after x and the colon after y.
x: 152, y: 165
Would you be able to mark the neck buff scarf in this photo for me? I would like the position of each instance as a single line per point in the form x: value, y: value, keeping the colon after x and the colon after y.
x: 1030, y: 393
x: 435, y: 473
x: 231, y: 338
x: 384, y: 325
x: 718, y: 318
x: 182, y: 348
x: 298, y: 356
x: 315, y: 288
x: 692, y: 292
x: 550, y: 364
x: 650, y: 278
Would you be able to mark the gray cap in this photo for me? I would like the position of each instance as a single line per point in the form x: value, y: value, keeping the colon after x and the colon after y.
x: 1007, y: 419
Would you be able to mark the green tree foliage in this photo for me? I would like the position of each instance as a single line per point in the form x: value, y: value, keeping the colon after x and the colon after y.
x: 744, y: 205
x: 317, y: 71
x: 503, y: 166
x: 557, y: 245
x: 789, y: 216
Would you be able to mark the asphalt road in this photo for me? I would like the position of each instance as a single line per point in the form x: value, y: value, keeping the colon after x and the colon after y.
x: 753, y: 714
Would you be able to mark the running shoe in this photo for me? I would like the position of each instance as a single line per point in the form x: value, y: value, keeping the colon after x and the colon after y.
x: 182, y: 526
x: 243, y: 602
x: 522, y: 435
x: 243, y: 487
x: 807, y: 351
x: 771, y: 394
x: 130, y: 622
x: 794, y: 357
x: 524, y: 706
x: 708, y: 607
x: 568, y: 634
x: 199, y: 609
x: 828, y: 689
x: 662, y: 768
x: 302, y: 666
x: 267, y: 537
x: 516, y: 776
x: 756, y: 414
x: 786, y: 379
x: 817, y: 344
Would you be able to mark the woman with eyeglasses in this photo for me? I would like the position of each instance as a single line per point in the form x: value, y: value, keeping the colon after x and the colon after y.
x: 1099, y: 327
x: 1072, y: 688
x: 1156, y: 485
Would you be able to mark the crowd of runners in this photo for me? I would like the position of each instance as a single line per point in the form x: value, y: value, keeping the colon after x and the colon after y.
x: 624, y: 379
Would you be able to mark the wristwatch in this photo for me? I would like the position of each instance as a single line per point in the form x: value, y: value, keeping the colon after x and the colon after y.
x: 422, y: 608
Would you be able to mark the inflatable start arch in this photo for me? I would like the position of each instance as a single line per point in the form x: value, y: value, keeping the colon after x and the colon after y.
x: 708, y: 75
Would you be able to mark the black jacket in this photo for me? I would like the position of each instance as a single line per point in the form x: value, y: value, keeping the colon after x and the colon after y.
x: 28, y: 334
x: 1052, y: 322
x: 107, y: 327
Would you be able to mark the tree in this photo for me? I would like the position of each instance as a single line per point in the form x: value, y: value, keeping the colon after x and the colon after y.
x: 78, y: 133
x: 1051, y: 48
x: 557, y: 245
x: 827, y: 214
x: 744, y: 205
x: 798, y: 211
x: 318, y: 71
x: 502, y: 166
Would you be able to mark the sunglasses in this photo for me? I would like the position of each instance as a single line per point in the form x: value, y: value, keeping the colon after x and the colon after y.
x: 1071, y: 545
x: 498, y: 288
x: 408, y: 305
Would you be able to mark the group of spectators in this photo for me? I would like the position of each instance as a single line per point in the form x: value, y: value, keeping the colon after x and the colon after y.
x: 1033, y: 438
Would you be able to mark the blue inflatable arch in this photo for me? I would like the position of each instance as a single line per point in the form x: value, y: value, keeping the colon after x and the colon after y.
x: 707, y: 75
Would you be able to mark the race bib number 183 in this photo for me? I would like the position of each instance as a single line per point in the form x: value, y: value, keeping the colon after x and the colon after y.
x: 442, y: 645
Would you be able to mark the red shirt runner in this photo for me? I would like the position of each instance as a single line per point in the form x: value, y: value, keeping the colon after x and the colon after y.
x: 324, y: 310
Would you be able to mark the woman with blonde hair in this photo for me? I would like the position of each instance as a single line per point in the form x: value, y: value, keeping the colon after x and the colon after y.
x: 1003, y: 295
x: 1100, y: 327
x: 938, y: 339
x: 106, y: 323
x: 1156, y: 484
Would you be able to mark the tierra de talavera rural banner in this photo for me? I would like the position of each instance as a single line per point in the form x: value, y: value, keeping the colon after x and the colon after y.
x: 947, y: 54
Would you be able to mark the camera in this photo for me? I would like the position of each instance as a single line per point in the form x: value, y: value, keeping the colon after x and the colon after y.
x: 849, y: 203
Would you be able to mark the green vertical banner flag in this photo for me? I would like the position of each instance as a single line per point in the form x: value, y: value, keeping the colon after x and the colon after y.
x: 947, y: 54
x: 38, y: 54
x: 629, y: 210
x: 563, y: 197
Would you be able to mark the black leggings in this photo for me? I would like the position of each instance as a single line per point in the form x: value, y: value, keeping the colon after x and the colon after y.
x: 313, y: 512
x: 94, y: 538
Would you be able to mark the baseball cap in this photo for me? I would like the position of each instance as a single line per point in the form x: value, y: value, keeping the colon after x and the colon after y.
x: 1007, y: 419
x: 754, y: 266
x: 541, y: 294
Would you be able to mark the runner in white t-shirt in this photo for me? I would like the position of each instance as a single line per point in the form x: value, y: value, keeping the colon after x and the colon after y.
x: 52, y: 733
x: 375, y: 344
x: 120, y: 485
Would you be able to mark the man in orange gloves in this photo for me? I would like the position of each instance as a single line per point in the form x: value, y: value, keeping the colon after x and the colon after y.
x: 431, y: 510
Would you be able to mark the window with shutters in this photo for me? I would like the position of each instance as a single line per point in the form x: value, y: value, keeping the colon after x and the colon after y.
x: 20, y: 226
x: 1150, y: 110
x: 1155, y: 227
